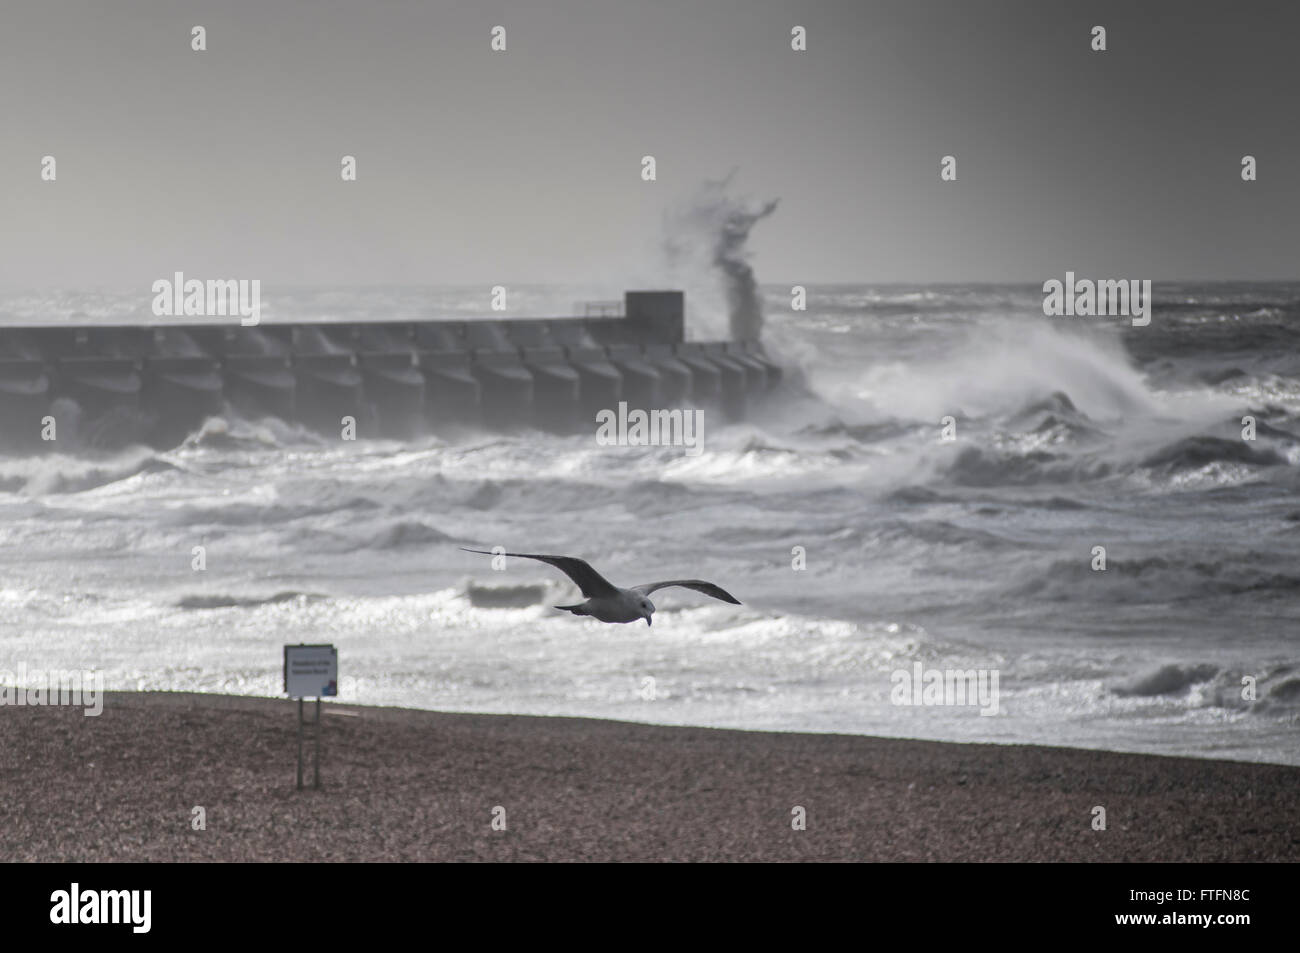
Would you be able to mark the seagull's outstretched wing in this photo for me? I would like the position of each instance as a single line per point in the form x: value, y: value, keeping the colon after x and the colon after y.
x: 592, y: 583
x: 699, y: 585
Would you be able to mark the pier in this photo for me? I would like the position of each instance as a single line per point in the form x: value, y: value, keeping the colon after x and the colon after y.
x: 105, y: 385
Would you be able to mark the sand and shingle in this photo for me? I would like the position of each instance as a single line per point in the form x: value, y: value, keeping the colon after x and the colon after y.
x: 421, y: 786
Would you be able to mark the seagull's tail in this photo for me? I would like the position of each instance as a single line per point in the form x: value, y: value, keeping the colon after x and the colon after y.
x: 576, y: 610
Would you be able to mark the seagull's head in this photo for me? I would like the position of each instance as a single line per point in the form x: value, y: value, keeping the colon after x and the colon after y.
x: 647, y: 610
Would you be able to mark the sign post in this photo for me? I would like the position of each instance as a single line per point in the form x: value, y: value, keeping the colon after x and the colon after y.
x: 310, y: 671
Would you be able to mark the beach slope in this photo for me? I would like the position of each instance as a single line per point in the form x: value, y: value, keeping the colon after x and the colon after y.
x: 422, y: 786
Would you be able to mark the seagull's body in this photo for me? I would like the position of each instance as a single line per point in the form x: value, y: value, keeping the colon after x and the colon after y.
x: 608, y: 602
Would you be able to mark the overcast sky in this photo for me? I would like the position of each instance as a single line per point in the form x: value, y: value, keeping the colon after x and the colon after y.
x: 524, y: 166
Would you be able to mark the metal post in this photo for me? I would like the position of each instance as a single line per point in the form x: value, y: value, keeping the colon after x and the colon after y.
x: 299, y: 744
x: 316, y: 785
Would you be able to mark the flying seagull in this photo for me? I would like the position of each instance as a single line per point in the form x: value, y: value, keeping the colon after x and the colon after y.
x: 608, y: 602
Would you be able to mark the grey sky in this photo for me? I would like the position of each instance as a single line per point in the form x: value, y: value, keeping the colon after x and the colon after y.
x: 524, y: 166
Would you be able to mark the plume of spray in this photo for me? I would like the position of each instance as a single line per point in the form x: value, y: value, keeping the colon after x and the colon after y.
x: 711, y: 232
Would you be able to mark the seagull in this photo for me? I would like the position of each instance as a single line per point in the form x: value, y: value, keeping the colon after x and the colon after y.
x: 608, y: 602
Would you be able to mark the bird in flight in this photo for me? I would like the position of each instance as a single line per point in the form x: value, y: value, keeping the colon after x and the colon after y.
x: 608, y: 602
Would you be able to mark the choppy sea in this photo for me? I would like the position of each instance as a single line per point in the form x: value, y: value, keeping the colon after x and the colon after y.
x: 973, y: 553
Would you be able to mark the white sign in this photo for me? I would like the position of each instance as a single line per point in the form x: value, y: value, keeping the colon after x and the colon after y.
x: 311, y: 671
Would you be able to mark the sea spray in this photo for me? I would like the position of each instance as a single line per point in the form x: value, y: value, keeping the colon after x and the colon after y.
x: 713, y: 230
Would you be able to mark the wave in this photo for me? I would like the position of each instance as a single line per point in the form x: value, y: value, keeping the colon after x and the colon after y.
x: 916, y: 494
x: 991, y: 369
x: 866, y: 433
x: 244, y: 514
x: 234, y: 432
x: 57, y: 474
x: 1286, y: 691
x: 505, y: 597
x: 406, y: 533
x: 401, y: 534
x: 942, y: 533
x: 1158, y: 580
x: 245, y: 602
x: 1192, y: 453
x: 1010, y: 459
x: 979, y: 467
x: 1204, y: 685
x: 1166, y: 680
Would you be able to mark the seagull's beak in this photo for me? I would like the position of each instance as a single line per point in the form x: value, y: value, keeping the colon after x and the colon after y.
x: 647, y: 621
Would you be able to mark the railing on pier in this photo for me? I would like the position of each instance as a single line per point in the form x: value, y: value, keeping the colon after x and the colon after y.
x: 600, y: 309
